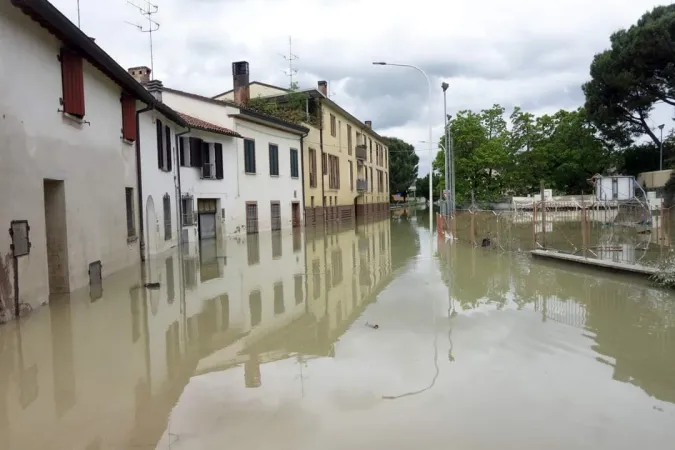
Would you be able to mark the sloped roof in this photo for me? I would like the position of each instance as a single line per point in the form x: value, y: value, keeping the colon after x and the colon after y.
x: 199, y: 124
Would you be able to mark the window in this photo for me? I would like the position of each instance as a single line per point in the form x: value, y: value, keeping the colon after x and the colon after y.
x: 128, y: 117
x: 255, y: 307
x: 218, y: 153
x: 196, y: 150
x: 187, y: 206
x: 131, y: 223
x: 274, y: 160
x: 295, y: 170
x: 167, y: 216
x: 72, y: 79
x: 182, y: 155
x: 351, y: 176
x: 276, y: 246
x: 275, y: 212
x: 324, y: 164
x: 298, y: 289
x: 253, y: 249
x: 278, y: 298
x: 349, y: 140
x: 163, y: 146
x: 249, y: 156
x: 312, y: 167
x: 333, y: 130
x: 371, y: 179
x: 251, y: 218
x: 334, y: 174
x: 358, y: 138
x: 168, y: 154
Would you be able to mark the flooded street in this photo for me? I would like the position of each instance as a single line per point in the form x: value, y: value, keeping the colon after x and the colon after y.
x: 269, y: 342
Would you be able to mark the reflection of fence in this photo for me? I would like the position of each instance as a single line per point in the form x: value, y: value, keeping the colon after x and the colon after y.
x: 628, y: 232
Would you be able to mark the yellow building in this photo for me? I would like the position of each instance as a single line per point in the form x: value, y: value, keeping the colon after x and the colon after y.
x: 345, y: 162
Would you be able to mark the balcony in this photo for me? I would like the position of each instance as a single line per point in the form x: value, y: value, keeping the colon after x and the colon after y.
x: 361, y: 152
x: 361, y: 185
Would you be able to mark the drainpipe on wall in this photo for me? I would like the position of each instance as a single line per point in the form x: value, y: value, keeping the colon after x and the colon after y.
x: 139, y: 182
x: 179, y: 191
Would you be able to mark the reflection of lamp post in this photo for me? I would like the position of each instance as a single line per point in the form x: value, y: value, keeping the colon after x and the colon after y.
x: 431, y: 158
x: 661, y: 147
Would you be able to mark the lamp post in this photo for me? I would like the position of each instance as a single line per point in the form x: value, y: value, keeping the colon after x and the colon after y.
x: 431, y: 156
x: 449, y: 175
x: 661, y: 147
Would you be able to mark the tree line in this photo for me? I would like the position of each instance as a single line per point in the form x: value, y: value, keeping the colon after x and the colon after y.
x: 613, y: 132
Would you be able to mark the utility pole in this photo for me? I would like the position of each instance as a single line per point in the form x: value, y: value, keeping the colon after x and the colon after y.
x: 147, y: 9
x: 290, y: 58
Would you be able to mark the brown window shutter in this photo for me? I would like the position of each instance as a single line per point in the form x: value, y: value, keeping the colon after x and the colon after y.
x: 128, y: 117
x: 72, y: 78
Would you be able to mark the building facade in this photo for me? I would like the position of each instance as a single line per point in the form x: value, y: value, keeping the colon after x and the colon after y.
x: 261, y: 189
x: 68, y: 124
x: 346, y: 163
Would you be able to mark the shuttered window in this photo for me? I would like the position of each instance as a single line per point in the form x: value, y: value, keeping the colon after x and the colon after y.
x: 160, y: 145
x: 249, y: 156
x: 167, y: 216
x: 295, y: 170
x: 218, y: 150
x: 195, y: 152
x: 181, y: 151
x: 72, y: 78
x: 251, y: 218
x: 274, y: 160
x: 167, y: 149
x: 128, y: 117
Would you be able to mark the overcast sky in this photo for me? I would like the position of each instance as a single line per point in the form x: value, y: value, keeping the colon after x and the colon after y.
x: 530, y: 53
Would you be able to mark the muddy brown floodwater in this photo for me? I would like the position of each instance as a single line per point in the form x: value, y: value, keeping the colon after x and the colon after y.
x: 263, y: 343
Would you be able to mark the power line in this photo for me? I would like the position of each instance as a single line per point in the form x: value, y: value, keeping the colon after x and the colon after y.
x: 147, y: 9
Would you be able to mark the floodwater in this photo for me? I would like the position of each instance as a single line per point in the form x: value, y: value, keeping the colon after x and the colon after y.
x: 268, y: 343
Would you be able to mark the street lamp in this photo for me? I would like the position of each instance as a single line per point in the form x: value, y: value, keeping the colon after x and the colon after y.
x: 449, y: 173
x: 431, y: 156
x: 661, y: 147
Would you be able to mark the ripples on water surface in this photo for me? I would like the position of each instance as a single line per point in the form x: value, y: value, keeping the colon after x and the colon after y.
x: 263, y: 344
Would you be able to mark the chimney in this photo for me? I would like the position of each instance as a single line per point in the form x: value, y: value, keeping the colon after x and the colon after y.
x: 142, y: 74
x: 323, y: 88
x: 155, y: 87
x: 369, y: 123
x: 242, y: 91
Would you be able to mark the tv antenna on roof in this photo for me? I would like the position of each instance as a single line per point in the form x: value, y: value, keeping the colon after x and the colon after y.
x: 147, y: 9
x: 290, y: 58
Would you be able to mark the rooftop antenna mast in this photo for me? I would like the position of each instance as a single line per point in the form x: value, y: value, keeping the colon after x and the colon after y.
x: 328, y: 91
x: 290, y: 58
x: 146, y: 9
x: 78, y: 13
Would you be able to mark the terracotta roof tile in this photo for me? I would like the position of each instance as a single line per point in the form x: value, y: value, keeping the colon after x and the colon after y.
x: 203, y: 125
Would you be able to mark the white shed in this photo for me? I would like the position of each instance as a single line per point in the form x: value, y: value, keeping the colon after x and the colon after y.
x: 615, y: 187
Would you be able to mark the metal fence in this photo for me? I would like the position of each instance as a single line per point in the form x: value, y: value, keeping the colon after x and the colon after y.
x: 630, y: 232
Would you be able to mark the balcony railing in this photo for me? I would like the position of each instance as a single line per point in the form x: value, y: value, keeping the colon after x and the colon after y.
x: 361, y: 152
x: 361, y: 185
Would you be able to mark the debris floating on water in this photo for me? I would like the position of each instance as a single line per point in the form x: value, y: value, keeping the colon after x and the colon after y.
x: 372, y: 325
x: 151, y: 285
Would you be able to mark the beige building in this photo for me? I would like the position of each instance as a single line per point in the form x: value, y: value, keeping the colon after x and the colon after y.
x: 345, y: 163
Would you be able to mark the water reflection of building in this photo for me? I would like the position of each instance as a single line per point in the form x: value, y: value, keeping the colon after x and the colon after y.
x: 74, y: 368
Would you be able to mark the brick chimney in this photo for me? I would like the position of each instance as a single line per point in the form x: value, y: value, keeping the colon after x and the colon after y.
x: 142, y: 73
x: 369, y: 123
x: 155, y: 87
x: 323, y: 88
x: 240, y: 82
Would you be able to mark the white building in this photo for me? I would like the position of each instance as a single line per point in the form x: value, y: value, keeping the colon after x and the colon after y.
x: 68, y: 164
x: 262, y: 182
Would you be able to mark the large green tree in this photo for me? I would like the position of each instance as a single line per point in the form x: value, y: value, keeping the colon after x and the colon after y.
x: 403, y: 165
x: 634, y: 75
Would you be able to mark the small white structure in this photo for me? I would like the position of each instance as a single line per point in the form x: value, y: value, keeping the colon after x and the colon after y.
x: 614, y: 187
x: 68, y: 166
x: 261, y: 188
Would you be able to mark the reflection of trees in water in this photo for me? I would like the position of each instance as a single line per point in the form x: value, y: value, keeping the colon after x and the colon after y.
x: 631, y: 322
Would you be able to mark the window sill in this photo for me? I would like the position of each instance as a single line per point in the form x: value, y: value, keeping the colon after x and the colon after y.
x: 274, y: 176
x: 73, y: 119
x: 132, y: 239
x: 127, y: 141
x: 250, y: 173
x: 295, y: 178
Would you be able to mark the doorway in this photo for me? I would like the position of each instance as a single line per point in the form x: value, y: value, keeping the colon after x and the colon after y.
x: 57, y: 236
x: 295, y: 210
x: 207, y: 218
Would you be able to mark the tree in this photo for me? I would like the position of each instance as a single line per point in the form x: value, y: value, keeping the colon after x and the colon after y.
x: 422, y: 186
x: 634, y: 75
x: 403, y: 165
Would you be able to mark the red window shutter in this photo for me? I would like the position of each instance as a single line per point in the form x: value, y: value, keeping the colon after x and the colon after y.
x: 128, y: 117
x: 72, y: 77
